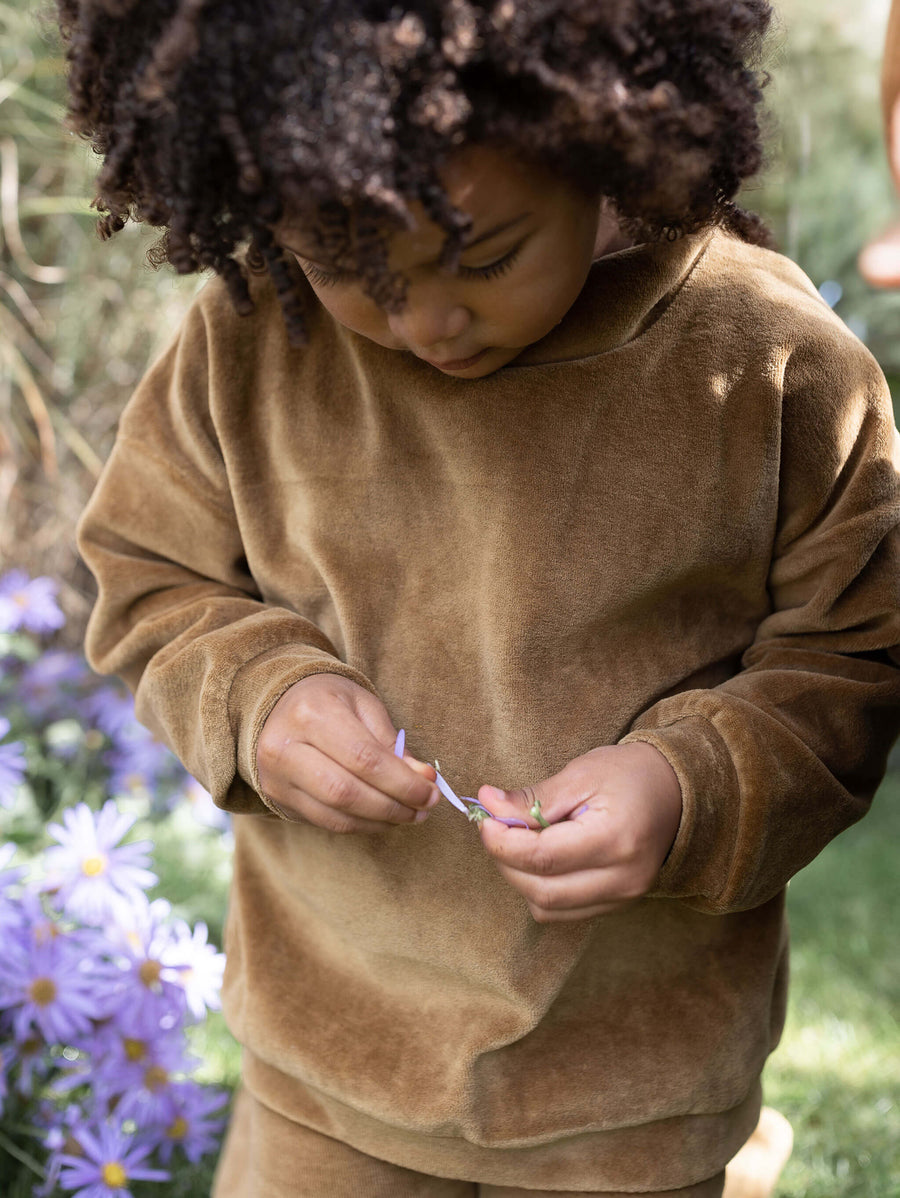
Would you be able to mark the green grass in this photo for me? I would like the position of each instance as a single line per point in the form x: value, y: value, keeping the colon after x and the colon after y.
x: 836, y: 1075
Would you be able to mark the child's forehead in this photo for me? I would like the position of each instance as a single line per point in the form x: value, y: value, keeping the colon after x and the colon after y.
x: 493, y: 189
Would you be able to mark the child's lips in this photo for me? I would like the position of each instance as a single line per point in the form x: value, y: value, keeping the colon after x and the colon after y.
x: 457, y: 363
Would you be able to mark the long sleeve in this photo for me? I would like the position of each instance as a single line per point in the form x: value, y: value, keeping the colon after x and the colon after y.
x: 782, y: 757
x: 179, y: 615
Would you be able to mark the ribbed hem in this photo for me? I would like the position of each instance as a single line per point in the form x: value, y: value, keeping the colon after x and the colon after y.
x: 667, y: 1154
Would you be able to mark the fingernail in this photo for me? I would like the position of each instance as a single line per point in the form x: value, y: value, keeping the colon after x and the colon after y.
x: 421, y: 816
x: 497, y: 796
x: 433, y: 801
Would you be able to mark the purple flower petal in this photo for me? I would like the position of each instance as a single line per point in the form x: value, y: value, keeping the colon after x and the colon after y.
x: 448, y: 794
x: 400, y: 743
x: 510, y: 823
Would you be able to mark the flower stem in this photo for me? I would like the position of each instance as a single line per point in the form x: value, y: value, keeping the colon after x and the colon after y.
x: 537, y: 814
x: 22, y: 1156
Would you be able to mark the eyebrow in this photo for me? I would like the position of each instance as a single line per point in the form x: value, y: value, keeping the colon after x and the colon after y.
x: 486, y: 236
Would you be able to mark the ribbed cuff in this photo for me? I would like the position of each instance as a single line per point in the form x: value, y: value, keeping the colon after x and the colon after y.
x: 259, y: 685
x: 702, y: 854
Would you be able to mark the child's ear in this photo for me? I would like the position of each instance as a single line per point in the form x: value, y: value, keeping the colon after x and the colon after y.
x: 611, y: 237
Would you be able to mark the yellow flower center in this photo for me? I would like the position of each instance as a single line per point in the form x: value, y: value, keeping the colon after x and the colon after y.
x: 155, y: 1077
x: 178, y: 1129
x: 149, y: 972
x: 91, y: 866
x: 135, y: 1050
x: 42, y: 991
x: 20, y: 598
x: 114, y: 1175
x: 93, y: 739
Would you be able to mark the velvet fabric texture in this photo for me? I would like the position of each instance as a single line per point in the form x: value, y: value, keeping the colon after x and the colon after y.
x: 266, y: 1154
x: 673, y: 520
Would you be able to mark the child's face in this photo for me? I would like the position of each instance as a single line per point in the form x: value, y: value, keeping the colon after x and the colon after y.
x: 531, y: 245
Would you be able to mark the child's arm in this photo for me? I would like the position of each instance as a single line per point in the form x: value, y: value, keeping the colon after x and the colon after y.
x: 180, y: 618
x: 779, y: 759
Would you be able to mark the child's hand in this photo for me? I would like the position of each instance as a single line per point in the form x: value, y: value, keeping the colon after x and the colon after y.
x: 325, y: 755
x: 613, y: 817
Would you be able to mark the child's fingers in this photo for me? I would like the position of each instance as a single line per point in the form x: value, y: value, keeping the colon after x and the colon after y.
x: 341, y: 735
x: 569, y: 895
x: 316, y: 774
x: 304, y: 808
x: 421, y: 767
x: 563, y: 848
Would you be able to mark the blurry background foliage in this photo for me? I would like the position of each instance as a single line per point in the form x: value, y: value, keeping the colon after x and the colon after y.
x: 80, y: 320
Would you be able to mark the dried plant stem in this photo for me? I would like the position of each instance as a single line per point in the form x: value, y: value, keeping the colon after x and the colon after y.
x: 9, y: 214
x: 36, y: 407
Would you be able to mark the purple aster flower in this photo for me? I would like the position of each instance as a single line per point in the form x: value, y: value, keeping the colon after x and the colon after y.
x: 9, y: 877
x: 34, y: 1064
x: 7, y: 1060
x: 97, y: 878
x: 203, y: 809
x: 196, y: 1127
x: 111, y: 709
x: 28, y: 603
x: 58, y: 1123
x: 12, y: 766
x: 112, y: 1161
x: 132, y: 1071
x: 142, y: 988
x: 196, y: 966
x: 46, y: 686
x: 139, y: 763
x: 145, y: 1074
x: 47, y: 989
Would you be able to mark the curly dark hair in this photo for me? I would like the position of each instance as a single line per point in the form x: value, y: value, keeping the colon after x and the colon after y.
x: 215, y: 117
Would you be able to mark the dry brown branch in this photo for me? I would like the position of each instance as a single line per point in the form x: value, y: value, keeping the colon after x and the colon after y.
x: 9, y: 215
x: 36, y: 406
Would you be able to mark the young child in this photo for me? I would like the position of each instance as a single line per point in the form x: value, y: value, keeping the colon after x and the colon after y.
x: 513, y: 435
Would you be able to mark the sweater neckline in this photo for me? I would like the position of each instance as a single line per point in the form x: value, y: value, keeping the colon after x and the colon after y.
x: 624, y: 294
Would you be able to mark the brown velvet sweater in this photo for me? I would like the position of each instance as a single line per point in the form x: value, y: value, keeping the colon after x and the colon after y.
x: 672, y: 520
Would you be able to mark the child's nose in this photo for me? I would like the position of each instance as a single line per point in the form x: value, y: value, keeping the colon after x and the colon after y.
x: 429, y: 318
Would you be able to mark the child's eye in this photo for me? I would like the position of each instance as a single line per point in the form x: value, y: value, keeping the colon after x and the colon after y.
x: 493, y: 268
x: 324, y: 278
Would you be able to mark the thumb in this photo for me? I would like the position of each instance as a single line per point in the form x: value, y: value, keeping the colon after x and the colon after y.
x: 538, y: 805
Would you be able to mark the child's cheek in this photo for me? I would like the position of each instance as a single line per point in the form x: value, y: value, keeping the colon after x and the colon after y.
x: 355, y: 311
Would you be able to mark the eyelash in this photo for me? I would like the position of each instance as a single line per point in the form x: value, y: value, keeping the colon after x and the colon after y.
x: 493, y: 269
x: 322, y: 278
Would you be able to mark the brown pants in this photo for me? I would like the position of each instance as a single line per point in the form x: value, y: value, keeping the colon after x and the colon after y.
x: 268, y: 1156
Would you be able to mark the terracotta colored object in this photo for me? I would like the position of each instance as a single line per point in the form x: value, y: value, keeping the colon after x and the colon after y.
x: 879, y: 262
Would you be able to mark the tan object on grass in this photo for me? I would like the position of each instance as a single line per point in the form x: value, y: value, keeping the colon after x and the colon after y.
x: 879, y: 262
x: 755, y: 1170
